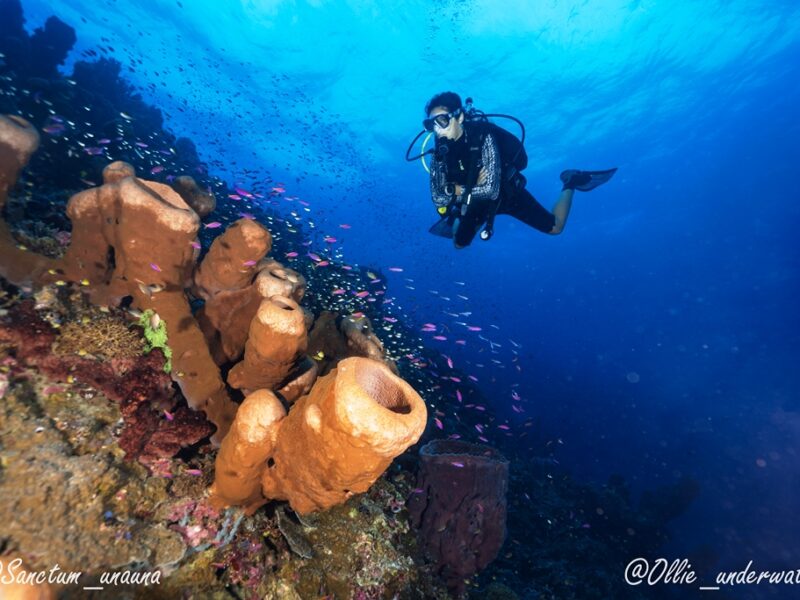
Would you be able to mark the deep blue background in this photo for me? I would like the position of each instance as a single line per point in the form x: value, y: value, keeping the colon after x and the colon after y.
x: 659, y: 334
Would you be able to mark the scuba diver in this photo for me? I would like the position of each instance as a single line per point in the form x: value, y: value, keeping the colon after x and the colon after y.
x: 475, y: 174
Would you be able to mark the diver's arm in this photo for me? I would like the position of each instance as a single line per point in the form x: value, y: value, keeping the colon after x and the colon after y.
x: 438, y: 185
x: 490, y: 156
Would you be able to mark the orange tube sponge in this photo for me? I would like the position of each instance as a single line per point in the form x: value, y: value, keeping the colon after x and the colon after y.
x: 202, y: 202
x: 276, y: 280
x: 231, y: 260
x: 245, y: 451
x: 361, y: 339
x: 337, y: 440
x: 18, y: 141
x: 277, y: 338
x: 300, y: 380
x: 149, y: 231
x: 225, y: 320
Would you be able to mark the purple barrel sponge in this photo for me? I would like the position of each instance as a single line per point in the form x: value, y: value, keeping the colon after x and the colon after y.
x: 459, y: 507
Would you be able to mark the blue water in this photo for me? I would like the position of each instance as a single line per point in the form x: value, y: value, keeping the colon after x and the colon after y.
x: 658, y: 336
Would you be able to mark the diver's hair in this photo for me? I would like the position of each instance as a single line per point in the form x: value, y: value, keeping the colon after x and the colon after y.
x: 450, y: 100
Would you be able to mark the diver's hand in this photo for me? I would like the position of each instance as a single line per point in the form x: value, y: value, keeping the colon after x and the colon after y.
x: 483, y: 175
x: 459, y: 190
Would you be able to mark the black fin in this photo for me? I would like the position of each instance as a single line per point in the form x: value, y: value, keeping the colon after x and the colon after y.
x: 585, y: 181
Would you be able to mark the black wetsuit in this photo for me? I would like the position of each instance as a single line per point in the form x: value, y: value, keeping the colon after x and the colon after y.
x: 453, y: 167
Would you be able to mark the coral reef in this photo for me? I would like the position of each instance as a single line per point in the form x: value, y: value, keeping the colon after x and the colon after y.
x: 460, y: 507
x: 137, y: 383
x: 73, y: 423
x: 333, y: 443
x: 130, y: 239
x: 80, y: 532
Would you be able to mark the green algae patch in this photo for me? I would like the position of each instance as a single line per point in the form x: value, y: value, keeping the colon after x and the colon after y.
x: 155, y: 336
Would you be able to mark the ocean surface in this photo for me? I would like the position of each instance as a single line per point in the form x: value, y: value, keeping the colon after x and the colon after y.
x: 658, y: 337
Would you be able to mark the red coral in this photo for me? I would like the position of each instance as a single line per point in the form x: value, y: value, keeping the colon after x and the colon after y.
x: 140, y: 386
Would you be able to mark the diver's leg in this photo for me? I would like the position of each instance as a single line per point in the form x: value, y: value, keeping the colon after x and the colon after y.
x: 561, y: 211
x: 466, y: 227
x: 524, y: 207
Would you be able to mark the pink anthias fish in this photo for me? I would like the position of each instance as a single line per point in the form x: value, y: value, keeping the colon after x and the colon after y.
x: 323, y: 263
x: 449, y: 361
x: 314, y: 257
x: 479, y: 428
x: 142, y: 145
x: 345, y: 226
x: 338, y: 292
x: 156, y: 169
x: 168, y: 415
x: 474, y: 328
x: 54, y: 129
x: 245, y: 215
x: 234, y: 196
x: 155, y: 267
x: 516, y: 409
x: 455, y: 379
x: 362, y: 294
x: 504, y: 427
x: 459, y: 396
x: 460, y: 465
x: 440, y: 338
x: 193, y: 472
x: 461, y: 342
x: 515, y: 395
x: 291, y: 254
x: 242, y: 192
x: 473, y: 378
x: 330, y: 240
x: 396, y: 269
x: 390, y: 319
x: 195, y: 244
x: 249, y: 263
x: 438, y: 423
x: 213, y: 225
x: 278, y: 190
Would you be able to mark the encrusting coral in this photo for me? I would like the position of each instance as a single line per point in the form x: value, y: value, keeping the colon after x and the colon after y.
x: 101, y: 338
x: 334, y: 442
